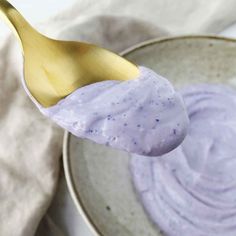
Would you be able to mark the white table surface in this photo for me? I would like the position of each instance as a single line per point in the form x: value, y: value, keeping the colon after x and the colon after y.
x: 62, y: 210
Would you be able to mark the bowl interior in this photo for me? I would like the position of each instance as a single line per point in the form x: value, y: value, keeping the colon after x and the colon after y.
x: 99, y: 176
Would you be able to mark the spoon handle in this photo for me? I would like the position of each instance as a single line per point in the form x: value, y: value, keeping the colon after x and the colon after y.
x: 22, y: 29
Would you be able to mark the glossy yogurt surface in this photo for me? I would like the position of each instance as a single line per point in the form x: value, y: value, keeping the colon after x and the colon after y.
x: 191, y: 191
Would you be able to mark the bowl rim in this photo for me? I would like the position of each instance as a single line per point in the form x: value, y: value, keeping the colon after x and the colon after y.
x: 67, y: 135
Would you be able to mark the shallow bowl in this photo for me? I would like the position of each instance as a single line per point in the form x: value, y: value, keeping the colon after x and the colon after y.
x: 98, y: 177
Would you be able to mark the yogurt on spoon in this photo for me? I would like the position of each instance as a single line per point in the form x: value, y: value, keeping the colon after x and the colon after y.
x: 144, y: 116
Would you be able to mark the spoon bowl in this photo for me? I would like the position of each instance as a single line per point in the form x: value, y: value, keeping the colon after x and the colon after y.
x: 54, y: 69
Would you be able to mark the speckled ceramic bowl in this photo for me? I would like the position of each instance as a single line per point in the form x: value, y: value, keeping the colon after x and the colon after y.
x: 98, y: 177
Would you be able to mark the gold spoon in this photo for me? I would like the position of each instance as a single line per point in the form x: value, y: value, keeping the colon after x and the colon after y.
x: 54, y: 69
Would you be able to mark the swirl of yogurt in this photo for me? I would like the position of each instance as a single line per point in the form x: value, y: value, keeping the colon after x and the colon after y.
x: 144, y: 116
x: 192, y: 190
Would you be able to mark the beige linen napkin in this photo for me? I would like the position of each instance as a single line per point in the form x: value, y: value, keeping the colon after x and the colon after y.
x: 30, y: 145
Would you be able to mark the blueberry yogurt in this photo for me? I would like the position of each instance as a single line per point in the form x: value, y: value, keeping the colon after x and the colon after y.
x: 144, y: 115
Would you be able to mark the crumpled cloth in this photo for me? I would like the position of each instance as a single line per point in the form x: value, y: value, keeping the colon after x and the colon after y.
x: 30, y: 144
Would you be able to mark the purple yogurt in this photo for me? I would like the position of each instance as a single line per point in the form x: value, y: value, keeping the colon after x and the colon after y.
x: 144, y: 116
